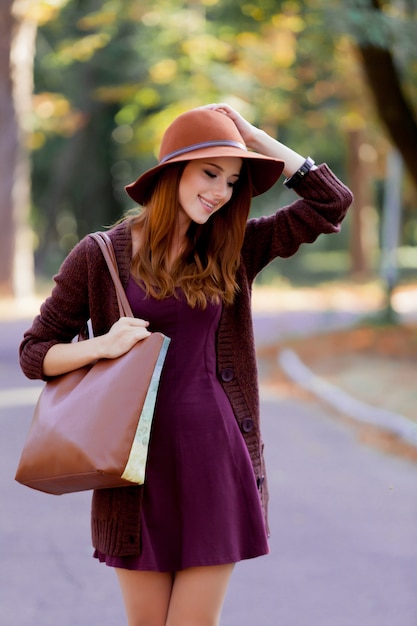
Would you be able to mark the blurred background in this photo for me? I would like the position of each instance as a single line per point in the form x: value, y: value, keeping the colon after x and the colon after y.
x: 87, y: 88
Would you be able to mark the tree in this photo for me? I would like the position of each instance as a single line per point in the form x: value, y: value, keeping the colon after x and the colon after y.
x: 135, y: 66
x: 387, y: 48
x: 110, y: 77
x: 383, y: 34
x: 17, y: 45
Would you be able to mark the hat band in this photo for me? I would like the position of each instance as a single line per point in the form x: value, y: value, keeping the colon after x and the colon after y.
x: 203, y: 144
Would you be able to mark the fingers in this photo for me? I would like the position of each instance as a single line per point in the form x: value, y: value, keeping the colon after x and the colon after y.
x: 136, y: 326
x: 245, y: 128
x: 222, y: 107
x: 123, y: 335
x: 131, y: 328
x: 132, y: 321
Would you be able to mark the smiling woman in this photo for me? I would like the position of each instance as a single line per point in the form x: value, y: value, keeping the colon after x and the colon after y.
x: 181, y: 237
x: 187, y: 260
x: 205, y: 187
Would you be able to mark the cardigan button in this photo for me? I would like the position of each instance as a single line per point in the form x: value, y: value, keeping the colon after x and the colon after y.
x: 247, y: 425
x: 260, y: 481
x: 227, y: 374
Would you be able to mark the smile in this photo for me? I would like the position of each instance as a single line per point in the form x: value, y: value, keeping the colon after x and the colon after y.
x: 206, y: 203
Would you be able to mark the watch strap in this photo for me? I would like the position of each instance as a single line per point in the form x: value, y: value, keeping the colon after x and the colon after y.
x: 299, y: 174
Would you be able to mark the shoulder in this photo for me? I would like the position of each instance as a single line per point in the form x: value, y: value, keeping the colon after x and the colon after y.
x: 85, y: 259
x: 120, y: 236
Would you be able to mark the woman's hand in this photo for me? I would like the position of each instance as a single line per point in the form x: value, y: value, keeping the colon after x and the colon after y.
x: 122, y: 336
x: 245, y: 128
x: 259, y: 141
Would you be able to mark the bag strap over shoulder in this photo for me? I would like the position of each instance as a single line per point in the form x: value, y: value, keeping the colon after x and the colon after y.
x: 107, y: 249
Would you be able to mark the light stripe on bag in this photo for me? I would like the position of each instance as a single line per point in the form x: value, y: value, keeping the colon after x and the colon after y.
x: 136, y: 463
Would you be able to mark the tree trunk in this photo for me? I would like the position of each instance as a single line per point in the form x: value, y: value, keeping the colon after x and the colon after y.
x: 362, y: 237
x: 17, y: 47
x: 392, y: 105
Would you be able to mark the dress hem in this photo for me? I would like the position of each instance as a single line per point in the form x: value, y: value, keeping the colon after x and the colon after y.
x: 111, y: 562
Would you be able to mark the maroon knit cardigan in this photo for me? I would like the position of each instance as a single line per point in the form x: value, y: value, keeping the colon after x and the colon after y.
x: 84, y: 290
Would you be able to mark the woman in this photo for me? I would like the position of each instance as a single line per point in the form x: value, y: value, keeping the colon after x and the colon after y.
x: 188, y: 260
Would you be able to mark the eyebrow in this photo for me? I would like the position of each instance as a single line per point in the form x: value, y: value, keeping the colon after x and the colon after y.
x: 220, y: 168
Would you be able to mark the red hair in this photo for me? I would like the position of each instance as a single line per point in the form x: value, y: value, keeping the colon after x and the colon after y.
x: 206, y: 269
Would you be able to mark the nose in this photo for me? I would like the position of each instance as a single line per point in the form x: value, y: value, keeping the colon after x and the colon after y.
x: 222, y: 190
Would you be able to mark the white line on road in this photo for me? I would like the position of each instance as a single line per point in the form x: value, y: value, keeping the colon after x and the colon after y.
x: 345, y: 403
x: 19, y: 396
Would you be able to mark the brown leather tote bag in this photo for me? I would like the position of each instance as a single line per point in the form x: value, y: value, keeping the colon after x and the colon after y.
x: 91, y: 427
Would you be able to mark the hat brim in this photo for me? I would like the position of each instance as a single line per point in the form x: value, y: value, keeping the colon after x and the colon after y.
x: 265, y: 171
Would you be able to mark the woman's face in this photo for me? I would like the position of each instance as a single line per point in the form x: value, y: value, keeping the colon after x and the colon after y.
x: 206, y: 185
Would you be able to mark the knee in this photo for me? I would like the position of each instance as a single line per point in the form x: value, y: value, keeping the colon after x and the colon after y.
x: 146, y: 621
x: 190, y: 620
x: 193, y: 618
x: 146, y: 618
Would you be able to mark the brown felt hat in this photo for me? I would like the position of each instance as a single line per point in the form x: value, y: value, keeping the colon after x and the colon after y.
x: 202, y: 133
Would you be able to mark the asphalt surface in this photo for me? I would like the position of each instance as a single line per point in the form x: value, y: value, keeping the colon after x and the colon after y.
x: 343, y: 518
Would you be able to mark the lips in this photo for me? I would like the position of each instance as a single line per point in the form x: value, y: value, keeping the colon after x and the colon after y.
x: 208, y: 205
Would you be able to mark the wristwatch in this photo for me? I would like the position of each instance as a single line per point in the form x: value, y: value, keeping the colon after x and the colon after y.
x: 299, y: 174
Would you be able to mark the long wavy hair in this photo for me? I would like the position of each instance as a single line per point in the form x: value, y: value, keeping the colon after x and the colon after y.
x: 206, y: 269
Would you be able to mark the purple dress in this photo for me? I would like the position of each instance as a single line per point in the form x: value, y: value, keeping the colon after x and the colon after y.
x: 201, y: 505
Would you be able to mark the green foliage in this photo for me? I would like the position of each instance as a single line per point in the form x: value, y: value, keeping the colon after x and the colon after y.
x: 381, y: 24
x: 111, y: 75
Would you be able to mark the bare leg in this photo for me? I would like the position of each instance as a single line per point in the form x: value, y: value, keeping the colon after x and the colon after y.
x: 146, y: 596
x: 197, y: 595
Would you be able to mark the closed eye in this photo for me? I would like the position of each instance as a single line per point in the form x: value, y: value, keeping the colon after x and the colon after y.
x: 210, y: 174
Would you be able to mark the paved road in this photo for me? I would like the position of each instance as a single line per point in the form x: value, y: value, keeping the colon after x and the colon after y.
x: 343, y: 521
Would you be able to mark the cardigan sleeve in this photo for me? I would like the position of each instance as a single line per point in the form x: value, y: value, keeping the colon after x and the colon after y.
x: 83, y: 290
x: 323, y: 203
x: 62, y: 316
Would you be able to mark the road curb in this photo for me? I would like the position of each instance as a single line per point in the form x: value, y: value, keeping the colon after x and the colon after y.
x: 297, y: 371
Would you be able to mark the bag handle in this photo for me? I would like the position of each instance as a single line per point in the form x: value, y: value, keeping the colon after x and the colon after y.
x: 107, y: 249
